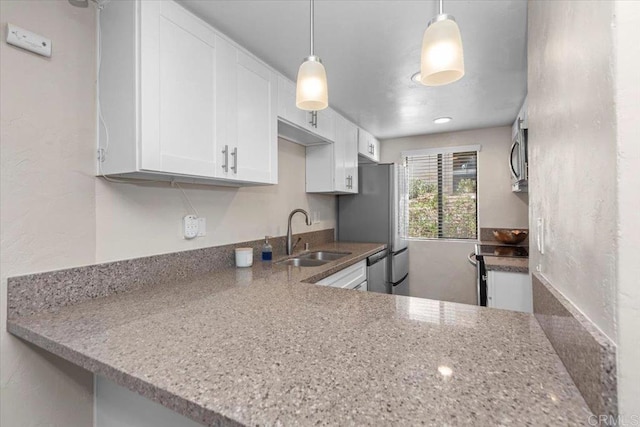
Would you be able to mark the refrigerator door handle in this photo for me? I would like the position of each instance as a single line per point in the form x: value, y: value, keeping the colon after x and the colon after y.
x: 400, y: 281
x: 400, y: 251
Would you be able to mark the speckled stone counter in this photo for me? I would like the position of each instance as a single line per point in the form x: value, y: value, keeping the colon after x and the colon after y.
x: 260, y: 346
x: 513, y: 265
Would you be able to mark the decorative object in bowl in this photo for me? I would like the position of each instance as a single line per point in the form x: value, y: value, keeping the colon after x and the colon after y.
x: 510, y: 237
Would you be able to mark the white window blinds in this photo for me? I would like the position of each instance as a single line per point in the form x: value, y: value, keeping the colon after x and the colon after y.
x: 443, y: 193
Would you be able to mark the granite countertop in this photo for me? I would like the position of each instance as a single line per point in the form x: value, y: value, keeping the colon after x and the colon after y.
x: 508, y: 264
x: 513, y: 265
x: 260, y: 346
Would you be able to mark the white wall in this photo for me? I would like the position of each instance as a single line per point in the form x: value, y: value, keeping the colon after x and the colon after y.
x: 572, y: 152
x: 439, y: 269
x: 140, y: 220
x: 584, y: 103
x: 55, y: 214
x: 627, y: 54
x: 47, y: 216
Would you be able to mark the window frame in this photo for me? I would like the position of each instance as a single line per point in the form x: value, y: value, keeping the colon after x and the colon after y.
x: 439, y: 151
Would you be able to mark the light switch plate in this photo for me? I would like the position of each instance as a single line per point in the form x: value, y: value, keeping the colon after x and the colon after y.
x: 540, y: 235
x: 190, y: 226
x: 29, y: 41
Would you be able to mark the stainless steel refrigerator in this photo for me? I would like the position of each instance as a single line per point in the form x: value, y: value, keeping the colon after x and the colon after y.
x: 378, y: 213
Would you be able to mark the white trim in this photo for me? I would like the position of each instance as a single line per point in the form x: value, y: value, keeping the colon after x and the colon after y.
x: 442, y: 150
x: 444, y: 239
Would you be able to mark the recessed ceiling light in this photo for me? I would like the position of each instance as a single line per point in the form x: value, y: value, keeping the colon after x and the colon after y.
x: 442, y: 120
x: 416, y: 77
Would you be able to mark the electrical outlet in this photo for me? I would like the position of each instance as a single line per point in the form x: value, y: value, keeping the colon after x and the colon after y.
x: 29, y: 41
x: 190, y: 226
x: 202, y: 227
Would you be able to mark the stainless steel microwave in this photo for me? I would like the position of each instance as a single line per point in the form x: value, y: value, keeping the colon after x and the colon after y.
x: 519, y: 161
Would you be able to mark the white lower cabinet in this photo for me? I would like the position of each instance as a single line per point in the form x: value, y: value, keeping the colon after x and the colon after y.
x: 509, y: 291
x: 179, y: 101
x: 352, y: 277
x: 333, y: 168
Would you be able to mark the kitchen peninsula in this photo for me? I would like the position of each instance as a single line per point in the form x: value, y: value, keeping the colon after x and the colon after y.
x: 263, y: 346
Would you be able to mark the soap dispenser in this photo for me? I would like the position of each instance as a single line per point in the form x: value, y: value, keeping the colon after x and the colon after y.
x: 267, y: 250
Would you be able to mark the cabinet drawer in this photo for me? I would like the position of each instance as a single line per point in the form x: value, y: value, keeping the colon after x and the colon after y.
x: 348, y: 278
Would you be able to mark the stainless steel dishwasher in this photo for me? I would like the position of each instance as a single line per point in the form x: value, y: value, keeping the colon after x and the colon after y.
x: 377, y: 280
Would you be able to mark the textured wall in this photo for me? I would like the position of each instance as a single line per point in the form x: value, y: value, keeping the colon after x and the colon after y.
x: 46, y: 195
x: 627, y: 51
x: 572, y: 152
x: 140, y: 220
x: 440, y: 270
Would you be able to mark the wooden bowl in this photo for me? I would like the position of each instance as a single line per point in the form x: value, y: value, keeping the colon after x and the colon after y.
x: 510, y: 237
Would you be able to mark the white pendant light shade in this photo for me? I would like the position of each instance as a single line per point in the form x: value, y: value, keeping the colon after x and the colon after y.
x: 442, y: 59
x: 311, y: 90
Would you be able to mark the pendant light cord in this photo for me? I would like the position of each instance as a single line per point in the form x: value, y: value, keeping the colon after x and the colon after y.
x: 311, y: 38
x: 440, y: 7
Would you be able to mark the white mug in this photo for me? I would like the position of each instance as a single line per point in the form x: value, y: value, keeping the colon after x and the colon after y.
x: 244, y: 257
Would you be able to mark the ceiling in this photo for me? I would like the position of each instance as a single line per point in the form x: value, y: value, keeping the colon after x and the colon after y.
x: 371, y: 48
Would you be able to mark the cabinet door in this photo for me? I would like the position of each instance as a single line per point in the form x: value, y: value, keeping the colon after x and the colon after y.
x: 177, y: 91
x: 251, y: 118
x: 364, y: 143
x: 375, y: 148
x: 349, y: 278
x: 509, y: 291
x: 341, y: 181
x: 325, y: 124
x: 287, y: 109
x: 351, y: 157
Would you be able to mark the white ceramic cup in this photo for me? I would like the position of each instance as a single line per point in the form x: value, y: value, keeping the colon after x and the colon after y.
x: 244, y: 257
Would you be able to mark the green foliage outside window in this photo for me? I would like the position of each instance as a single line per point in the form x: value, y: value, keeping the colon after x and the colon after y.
x: 458, y: 210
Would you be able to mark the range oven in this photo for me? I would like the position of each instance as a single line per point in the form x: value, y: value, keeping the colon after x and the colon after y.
x: 477, y: 258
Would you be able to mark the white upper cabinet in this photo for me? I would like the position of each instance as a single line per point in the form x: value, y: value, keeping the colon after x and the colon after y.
x: 287, y: 109
x: 250, y: 149
x: 333, y: 168
x: 368, y: 147
x: 302, y: 127
x: 178, y: 91
x: 186, y: 104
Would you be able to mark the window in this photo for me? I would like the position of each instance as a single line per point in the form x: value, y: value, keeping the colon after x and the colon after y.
x: 443, y: 197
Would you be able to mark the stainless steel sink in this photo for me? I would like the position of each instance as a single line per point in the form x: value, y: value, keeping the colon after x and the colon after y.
x: 302, y: 262
x: 324, y: 255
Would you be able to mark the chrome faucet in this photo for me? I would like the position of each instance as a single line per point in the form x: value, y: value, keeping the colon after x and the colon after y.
x: 290, y: 244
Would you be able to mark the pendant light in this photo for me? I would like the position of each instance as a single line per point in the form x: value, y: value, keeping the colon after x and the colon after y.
x: 442, y: 59
x: 311, y: 89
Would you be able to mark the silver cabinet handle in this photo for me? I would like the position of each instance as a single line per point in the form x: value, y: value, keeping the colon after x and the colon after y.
x: 225, y: 166
x: 314, y: 119
x: 234, y: 153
